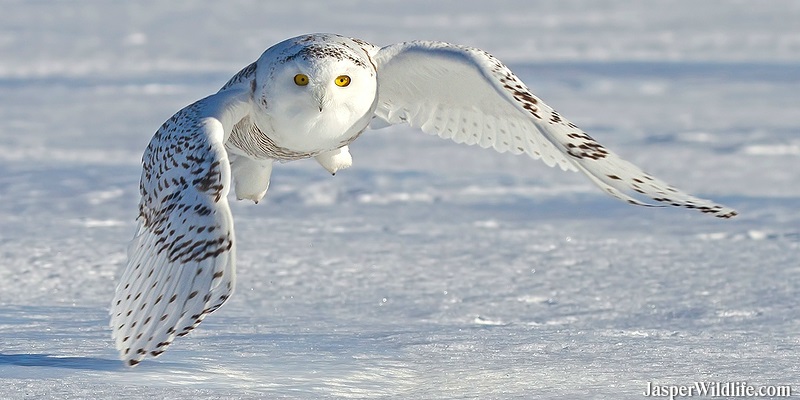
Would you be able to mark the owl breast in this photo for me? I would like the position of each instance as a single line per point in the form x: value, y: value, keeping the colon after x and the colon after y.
x: 289, y: 137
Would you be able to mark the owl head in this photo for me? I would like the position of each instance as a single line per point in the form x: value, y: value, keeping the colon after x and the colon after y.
x: 316, y: 84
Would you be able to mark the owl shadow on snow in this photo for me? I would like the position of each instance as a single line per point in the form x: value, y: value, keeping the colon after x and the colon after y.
x: 47, y: 360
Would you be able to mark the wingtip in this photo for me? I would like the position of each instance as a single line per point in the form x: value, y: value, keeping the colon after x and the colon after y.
x: 715, y: 210
x: 726, y: 213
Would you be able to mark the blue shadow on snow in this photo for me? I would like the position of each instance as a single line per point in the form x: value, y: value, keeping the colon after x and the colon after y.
x: 46, y: 360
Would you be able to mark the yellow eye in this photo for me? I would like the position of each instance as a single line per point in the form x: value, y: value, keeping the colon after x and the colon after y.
x: 301, y: 79
x: 342, y: 80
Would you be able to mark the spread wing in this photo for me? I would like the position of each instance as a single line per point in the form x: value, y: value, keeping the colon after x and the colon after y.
x: 468, y: 96
x: 181, y: 261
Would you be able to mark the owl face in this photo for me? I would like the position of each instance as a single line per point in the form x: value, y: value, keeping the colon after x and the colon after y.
x: 326, y: 85
x: 316, y: 92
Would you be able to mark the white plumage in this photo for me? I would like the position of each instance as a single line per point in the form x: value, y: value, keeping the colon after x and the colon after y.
x: 310, y: 96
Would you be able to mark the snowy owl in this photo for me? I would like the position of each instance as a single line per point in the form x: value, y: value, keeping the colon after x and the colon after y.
x: 311, y: 96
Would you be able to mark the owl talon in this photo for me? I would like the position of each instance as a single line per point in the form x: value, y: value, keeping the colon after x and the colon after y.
x: 335, y: 160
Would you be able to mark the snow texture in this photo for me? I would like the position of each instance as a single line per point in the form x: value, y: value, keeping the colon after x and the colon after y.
x: 428, y: 270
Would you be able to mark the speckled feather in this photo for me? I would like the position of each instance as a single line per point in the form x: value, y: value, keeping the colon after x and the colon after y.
x: 469, y: 96
x: 181, y: 263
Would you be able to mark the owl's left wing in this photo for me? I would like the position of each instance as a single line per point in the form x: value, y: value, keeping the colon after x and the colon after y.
x: 466, y: 95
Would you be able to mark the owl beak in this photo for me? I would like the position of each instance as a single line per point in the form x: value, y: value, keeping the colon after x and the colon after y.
x: 319, y: 96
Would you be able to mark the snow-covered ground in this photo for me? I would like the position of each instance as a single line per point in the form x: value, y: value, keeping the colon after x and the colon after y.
x: 428, y: 270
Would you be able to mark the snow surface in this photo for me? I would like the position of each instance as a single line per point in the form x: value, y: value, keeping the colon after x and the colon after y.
x: 428, y: 270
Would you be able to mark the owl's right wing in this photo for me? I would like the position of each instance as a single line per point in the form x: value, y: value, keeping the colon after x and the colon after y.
x: 181, y: 262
